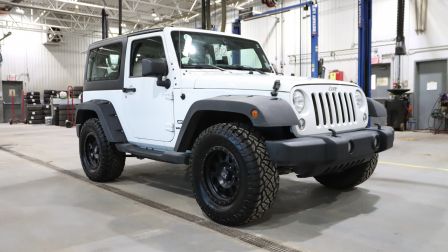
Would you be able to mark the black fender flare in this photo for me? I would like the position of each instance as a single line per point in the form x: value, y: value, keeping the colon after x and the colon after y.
x: 106, y: 114
x: 376, y: 109
x: 272, y: 112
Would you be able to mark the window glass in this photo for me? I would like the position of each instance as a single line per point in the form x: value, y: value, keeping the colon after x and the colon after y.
x: 202, y: 50
x: 104, y: 63
x: 149, y: 48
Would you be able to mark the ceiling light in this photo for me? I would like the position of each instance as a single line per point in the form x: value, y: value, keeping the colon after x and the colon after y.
x: 153, y: 13
x: 20, y: 11
x: 123, y: 25
x: 156, y: 18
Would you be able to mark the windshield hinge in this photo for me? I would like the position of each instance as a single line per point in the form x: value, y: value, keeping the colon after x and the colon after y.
x: 276, y: 87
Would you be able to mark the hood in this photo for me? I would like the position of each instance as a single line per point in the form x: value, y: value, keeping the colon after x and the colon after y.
x: 242, y: 80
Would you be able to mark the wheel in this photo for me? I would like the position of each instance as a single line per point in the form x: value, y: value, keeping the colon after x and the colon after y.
x: 234, y: 180
x: 350, y: 177
x: 100, y: 159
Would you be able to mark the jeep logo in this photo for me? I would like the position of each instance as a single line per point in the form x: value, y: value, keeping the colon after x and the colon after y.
x: 332, y: 89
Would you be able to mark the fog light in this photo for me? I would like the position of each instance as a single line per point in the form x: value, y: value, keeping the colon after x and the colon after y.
x: 364, y: 117
x: 350, y: 147
x: 301, y: 124
x: 376, y: 142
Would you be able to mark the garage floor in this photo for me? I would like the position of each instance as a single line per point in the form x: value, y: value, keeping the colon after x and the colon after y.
x: 46, y: 204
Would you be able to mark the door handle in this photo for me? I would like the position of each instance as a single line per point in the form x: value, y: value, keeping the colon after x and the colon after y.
x: 129, y: 90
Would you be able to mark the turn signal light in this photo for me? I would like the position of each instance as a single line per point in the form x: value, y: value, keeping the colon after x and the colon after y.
x: 254, y: 113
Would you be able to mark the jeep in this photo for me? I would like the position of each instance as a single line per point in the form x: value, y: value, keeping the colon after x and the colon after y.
x: 213, y: 101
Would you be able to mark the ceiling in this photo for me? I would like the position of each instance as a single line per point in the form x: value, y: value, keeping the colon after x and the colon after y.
x: 85, y: 15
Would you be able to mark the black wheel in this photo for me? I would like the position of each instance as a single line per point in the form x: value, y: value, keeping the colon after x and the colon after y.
x: 234, y: 180
x: 350, y: 177
x: 100, y: 159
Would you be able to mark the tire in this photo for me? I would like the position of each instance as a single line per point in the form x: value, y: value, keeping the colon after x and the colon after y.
x: 29, y: 97
x: 32, y: 101
x: 33, y: 93
x: 35, y: 113
x: 244, y: 186
x: 35, y: 121
x: 35, y: 117
x: 102, y: 163
x: 31, y: 107
x: 351, y: 177
x: 50, y: 92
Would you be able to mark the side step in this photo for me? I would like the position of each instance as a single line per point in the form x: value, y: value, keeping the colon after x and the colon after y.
x: 158, y: 155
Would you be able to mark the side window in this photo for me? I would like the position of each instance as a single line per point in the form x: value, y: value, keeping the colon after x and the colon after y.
x: 144, y: 49
x: 104, y: 63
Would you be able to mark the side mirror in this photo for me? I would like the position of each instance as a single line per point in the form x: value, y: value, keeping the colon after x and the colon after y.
x: 154, y: 67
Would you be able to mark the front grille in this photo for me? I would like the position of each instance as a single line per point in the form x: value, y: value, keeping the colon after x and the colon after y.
x: 331, y: 108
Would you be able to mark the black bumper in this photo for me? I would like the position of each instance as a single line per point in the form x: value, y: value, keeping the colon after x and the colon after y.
x: 322, y: 154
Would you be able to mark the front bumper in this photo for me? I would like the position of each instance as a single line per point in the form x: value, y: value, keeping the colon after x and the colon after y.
x: 322, y: 154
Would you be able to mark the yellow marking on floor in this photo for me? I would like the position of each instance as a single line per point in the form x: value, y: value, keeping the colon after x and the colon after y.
x: 413, y: 166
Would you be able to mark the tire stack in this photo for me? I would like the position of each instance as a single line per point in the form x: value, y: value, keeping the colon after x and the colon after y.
x: 48, y: 94
x: 35, y: 114
x: 46, y: 110
x: 77, y: 90
x: 62, y: 112
x: 32, y: 98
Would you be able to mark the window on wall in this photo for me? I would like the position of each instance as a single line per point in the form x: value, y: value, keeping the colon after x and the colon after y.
x: 104, y: 63
x: 149, y: 48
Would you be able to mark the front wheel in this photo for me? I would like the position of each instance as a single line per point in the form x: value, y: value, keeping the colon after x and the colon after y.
x: 234, y: 180
x: 351, y: 177
x: 99, y: 158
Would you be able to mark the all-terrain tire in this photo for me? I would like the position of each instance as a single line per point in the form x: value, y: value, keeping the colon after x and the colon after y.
x: 104, y: 163
x: 351, y: 177
x: 258, y: 180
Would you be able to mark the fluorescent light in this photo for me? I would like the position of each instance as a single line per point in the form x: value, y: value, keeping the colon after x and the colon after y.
x: 86, y: 4
x: 20, y: 11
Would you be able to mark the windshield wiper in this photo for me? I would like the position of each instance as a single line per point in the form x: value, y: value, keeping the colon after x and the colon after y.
x: 240, y: 67
x: 204, y: 66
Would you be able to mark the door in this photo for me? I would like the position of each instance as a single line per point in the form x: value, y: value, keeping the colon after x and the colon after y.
x: 431, y: 83
x: 380, y: 81
x: 12, y: 91
x: 148, y: 108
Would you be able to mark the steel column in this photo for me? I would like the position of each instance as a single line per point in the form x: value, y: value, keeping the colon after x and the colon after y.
x: 365, y: 45
x: 314, y: 41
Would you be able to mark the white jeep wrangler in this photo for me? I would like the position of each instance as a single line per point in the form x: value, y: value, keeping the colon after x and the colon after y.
x: 212, y: 101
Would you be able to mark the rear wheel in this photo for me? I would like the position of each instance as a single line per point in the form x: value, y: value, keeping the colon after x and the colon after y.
x: 350, y: 177
x: 99, y: 158
x: 234, y: 180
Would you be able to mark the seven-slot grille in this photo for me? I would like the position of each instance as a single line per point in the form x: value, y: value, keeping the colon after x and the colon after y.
x: 331, y: 108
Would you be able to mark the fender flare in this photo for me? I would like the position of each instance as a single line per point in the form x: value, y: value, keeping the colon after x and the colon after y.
x: 106, y: 114
x: 272, y: 112
x: 376, y: 109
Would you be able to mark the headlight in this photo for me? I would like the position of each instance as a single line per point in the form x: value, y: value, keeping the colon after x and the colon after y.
x: 359, y: 98
x: 299, y: 100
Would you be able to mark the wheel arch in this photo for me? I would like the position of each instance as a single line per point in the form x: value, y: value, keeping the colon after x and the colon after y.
x: 105, y: 112
x: 275, y: 116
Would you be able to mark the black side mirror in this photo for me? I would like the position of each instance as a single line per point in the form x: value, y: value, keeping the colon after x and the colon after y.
x: 154, y: 67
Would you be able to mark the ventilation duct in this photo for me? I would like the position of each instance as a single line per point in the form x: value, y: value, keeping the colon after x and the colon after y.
x: 421, y: 9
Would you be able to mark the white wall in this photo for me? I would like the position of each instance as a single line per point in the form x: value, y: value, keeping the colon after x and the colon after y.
x: 338, y: 36
x: 42, y: 66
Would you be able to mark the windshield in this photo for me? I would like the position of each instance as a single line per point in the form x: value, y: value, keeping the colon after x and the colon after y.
x: 201, y: 50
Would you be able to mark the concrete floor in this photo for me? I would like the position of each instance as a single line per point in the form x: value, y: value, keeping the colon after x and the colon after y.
x: 46, y: 204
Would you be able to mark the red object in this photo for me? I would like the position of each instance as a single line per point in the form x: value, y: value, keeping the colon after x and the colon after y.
x: 23, y: 106
x: 71, y: 109
x: 269, y: 3
x: 13, y: 112
x: 337, y: 75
